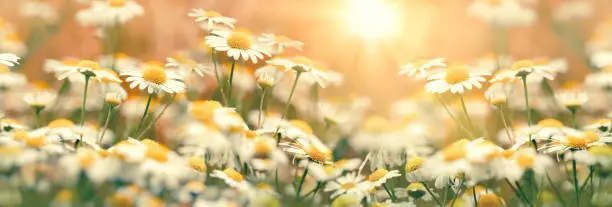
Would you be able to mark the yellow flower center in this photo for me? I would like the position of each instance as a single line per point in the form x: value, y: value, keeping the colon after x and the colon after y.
x: 264, y: 186
x: 212, y: 13
x: 4, y: 69
x: 13, y: 37
x: 576, y: 142
x: 156, y: 151
x: 239, y: 40
x: 121, y: 201
x: 414, y: 163
x: 203, y: 110
x: 341, y: 163
x: 36, y: 141
x: 347, y: 186
x: 377, y: 175
x: 86, y: 158
x: 508, y: 153
x: 603, y: 150
x: 111, y: 72
x: 20, y: 135
x: 89, y: 64
x: 117, y: 3
x: 525, y: 161
x: 302, y: 125
x: 262, y: 148
x: 518, y: 65
x: 456, y: 74
x: 453, y: 152
x: 232, y: 174
x: 489, y: 200
x: 154, y: 74
x: 61, y: 123
x: 550, y: 123
x: 571, y: 85
x: 415, y: 186
x: 197, y: 164
x: 64, y: 195
x: 40, y: 85
x: 317, y: 155
x: 591, y: 136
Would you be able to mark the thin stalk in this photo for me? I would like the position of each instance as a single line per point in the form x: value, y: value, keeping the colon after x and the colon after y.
x: 555, y: 190
x: 156, y: 117
x: 474, y: 196
x: 576, y: 187
x: 467, y: 115
x: 520, y: 190
x: 454, y: 118
x: 388, y: 192
x: 145, y: 113
x: 261, y: 103
x: 526, y: 94
x: 518, y: 194
x: 231, y: 82
x: 37, y: 111
x: 214, y: 60
x: 87, y: 77
x: 288, y: 103
x: 506, y: 126
x: 276, y: 179
x: 108, y: 118
x: 432, y: 195
x: 574, y: 122
x: 299, y: 189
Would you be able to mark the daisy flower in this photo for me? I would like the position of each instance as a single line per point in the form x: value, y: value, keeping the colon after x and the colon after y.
x: 574, y: 140
x: 504, y: 13
x: 236, y: 44
x: 231, y: 178
x: 420, y: 68
x: 10, y: 79
x: 316, y: 153
x: 88, y: 69
x: 9, y: 59
x: 514, y: 163
x: 380, y: 176
x: 304, y: 65
x: 595, y: 155
x: 39, y: 99
x: 491, y: 199
x: 109, y: 13
x: 523, y: 68
x: 418, y: 191
x: 281, y: 42
x: 211, y: 19
x: 571, y: 99
x: 188, y: 66
x: 413, y: 170
x: 601, y: 79
x: 456, y: 79
x: 350, y: 183
x: 601, y: 125
x: 155, y: 79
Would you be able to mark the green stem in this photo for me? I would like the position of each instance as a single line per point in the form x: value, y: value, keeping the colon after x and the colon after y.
x: 576, y: 185
x: 37, y: 111
x: 453, y: 117
x: 506, y: 126
x: 87, y: 77
x: 214, y: 60
x: 276, y: 179
x: 474, y: 196
x: 156, y: 117
x: 432, y: 195
x: 574, y: 122
x: 145, y: 113
x: 388, y: 192
x: 106, y: 121
x: 526, y: 94
x: 231, y: 82
x: 555, y: 190
x: 518, y: 194
x: 299, y: 189
x: 297, y: 78
x: 467, y: 115
x: 261, y: 103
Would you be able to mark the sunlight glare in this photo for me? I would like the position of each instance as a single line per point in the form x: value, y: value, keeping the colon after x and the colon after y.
x: 371, y: 18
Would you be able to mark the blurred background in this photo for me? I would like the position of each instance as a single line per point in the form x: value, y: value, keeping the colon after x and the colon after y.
x: 367, y: 42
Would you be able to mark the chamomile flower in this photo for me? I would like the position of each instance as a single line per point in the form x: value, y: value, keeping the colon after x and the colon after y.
x: 601, y: 125
x: 39, y: 99
x: 526, y: 67
x: 87, y: 68
x: 280, y: 42
x: 513, y: 163
x: 595, y: 155
x: 10, y: 79
x: 210, y: 20
x: 421, y: 68
x: 109, y: 13
x: 380, y: 177
x: 574, y: 140
x: 601, y: 79
x: 316, y: 153
x: 9, y: 59
x: 502, y: 13
x: 572, y: 99
x: 350, y: 183
x: 304, y: 65
x: 188, y: 66
x: 413, y: 170
x: 155, y: 79
x: 491, y: 200
x: 236, y: 44
x: 232, y: 178
x: 456, y: 79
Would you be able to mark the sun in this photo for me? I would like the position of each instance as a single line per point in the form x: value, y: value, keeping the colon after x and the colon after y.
x: 371, y: 19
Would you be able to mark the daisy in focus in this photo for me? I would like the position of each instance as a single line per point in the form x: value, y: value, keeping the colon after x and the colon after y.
x: 238, y: 45
x: 455, y: 79
x: 155, y: 79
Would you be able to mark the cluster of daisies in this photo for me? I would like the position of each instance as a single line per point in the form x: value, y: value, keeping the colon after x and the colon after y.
x: 236, y: 121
